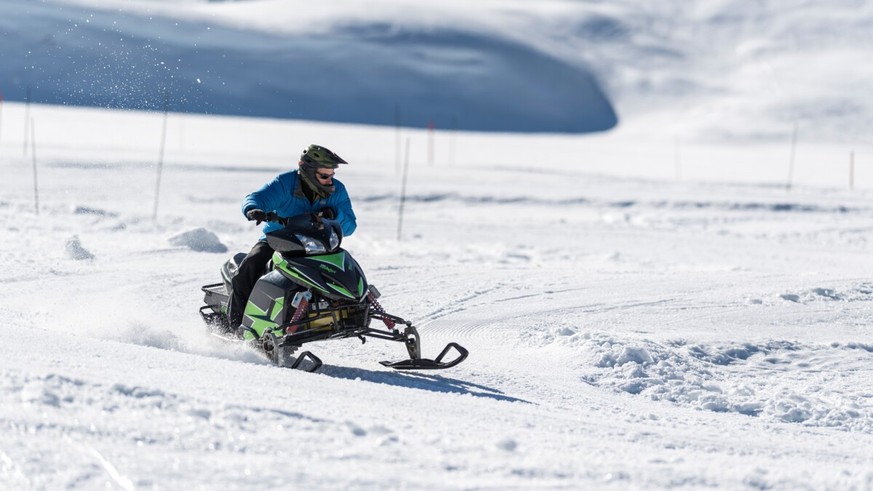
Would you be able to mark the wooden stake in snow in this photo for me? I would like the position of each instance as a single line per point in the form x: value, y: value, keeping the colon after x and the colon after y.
x: 791, y: 160
x: 397, y: 137
x: 454, y: 134
x: 33, y: 152
x: 1, y: 118
x: 403, y: 192
x: 431, y: 130
x: 161, y: 155
x: 852, y: 169
x: 26, y: 121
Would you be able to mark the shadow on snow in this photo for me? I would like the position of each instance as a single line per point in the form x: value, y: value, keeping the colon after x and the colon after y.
x: 421, y: 381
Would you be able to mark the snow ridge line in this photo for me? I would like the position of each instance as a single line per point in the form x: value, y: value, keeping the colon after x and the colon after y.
x: 775, y: 207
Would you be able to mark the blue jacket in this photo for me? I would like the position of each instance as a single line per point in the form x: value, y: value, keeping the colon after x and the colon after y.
x: 283, y: 196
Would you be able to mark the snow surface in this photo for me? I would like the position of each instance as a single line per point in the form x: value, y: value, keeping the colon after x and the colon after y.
x: 624, y: 332
x: 643, y: 310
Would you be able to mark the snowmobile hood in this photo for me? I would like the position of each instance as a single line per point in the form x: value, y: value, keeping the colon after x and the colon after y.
x: 336, y: 275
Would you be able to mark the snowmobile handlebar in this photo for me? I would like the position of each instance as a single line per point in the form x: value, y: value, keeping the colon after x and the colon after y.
x: 316, y: 219
x: 273, y: 217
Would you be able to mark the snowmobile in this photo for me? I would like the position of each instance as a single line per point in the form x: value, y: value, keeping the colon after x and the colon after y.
x: 312, y: 290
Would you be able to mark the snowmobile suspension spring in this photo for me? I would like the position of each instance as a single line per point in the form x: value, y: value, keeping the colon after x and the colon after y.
x: 301, y: 310
x: 378, y: 308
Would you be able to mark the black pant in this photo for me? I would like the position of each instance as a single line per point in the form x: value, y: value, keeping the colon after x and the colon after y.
x: 250, y: 269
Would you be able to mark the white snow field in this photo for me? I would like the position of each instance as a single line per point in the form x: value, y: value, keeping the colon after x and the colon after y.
x: 624, y: 332
x: 682, y: 302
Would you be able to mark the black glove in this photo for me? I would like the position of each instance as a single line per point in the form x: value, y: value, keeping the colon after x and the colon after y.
x: 256, y: 215
x: 327, y: 213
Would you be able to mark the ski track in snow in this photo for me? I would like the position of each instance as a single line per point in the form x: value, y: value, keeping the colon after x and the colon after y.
x: 705, y: 376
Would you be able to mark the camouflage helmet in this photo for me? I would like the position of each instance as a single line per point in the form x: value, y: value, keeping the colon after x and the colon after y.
x: 321, y: 157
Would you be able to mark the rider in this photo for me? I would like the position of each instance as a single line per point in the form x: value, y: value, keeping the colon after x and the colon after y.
x: 311, y: 188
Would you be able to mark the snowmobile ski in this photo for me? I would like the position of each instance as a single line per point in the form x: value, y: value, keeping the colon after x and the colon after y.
x: 427, y: 364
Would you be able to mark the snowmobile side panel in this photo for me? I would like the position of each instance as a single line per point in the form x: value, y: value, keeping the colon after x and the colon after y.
x: 266, y: 308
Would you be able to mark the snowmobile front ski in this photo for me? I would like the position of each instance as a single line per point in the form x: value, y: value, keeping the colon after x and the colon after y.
x: 427, y: 364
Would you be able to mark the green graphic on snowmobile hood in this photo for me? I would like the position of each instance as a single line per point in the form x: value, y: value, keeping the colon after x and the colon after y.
x: 336, y: 276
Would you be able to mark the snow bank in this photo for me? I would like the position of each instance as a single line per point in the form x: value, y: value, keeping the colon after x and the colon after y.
x: 75, y: 250
x: 780, y: 380
x: 199, y: 239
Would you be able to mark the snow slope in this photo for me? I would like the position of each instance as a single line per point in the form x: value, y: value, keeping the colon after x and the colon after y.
x: 624, y: 332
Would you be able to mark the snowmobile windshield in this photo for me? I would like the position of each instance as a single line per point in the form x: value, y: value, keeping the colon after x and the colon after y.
x: 303, y: 235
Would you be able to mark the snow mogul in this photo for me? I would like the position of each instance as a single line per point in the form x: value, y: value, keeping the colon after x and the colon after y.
x: 297, y: 285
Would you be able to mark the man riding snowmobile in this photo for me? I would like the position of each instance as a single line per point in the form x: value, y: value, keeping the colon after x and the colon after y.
x: 312, y: 189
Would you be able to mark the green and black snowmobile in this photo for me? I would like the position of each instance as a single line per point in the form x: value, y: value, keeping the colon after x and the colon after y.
x: 312, y: 290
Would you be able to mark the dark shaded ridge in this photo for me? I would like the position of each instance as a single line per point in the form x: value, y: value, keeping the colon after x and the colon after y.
x: 364, y: 74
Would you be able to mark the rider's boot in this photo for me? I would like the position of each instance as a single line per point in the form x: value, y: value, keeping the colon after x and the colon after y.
x: 234, y: 318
